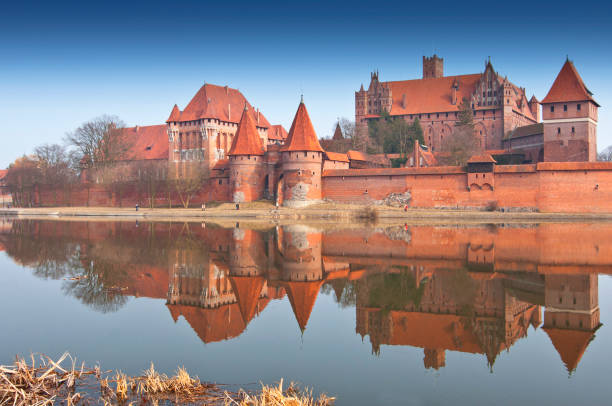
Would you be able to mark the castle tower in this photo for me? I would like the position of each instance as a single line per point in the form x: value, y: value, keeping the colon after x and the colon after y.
x: 246, y: 161
x: 571, y: 316
x: 534, y: 107
x: 302, y: 158
x: 302, y: 269
x: 361, y: 110
x: 174, y: 146
x: 569, y: 113
x: 433, y: 67
x: 246, y: 271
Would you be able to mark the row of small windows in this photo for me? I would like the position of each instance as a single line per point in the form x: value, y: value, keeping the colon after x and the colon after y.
x: 559, y: 130
x: 578, y: 108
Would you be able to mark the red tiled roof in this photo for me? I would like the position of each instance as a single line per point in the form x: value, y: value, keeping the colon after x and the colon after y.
x: 145, y: 142
x: 430, y: 95
x: 568, y: 86
x: 219, y: 102
x: 247, y: 290
x: 246, y: 140
x: 570, y: 344
x: 481, y: 158
x: 277, y: 132
x: 302, y: 296
x: 221, y: 164
x: 357, y: 155
x: 175, y: 115
x: 3, y: 173
x: 336, y: 156
x: 302, y: 136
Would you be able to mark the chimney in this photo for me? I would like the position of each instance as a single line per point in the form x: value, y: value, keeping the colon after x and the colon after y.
x: 226, y: 90
x: 257, y: 115
x: 404, y: 100
x: 229, y: 112
x: 136, y: 128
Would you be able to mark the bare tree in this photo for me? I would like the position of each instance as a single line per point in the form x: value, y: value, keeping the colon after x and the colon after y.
x: 188, y: 184
x: 605, y: 155
x: 22, y: 178
x: 55, y: 167
x: 151, y: 177
x: 99, y: 142
x: 462, y: 143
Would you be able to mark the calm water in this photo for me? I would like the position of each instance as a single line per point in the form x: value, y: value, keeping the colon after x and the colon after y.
x: 424, y: 315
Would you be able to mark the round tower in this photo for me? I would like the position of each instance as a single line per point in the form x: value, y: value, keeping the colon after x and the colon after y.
x: 302, y: 161
x: 246, y: 161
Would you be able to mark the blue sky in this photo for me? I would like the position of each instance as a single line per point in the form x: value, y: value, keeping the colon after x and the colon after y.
x: 64, y: 63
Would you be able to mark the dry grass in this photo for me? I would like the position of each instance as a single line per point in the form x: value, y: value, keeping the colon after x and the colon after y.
x: 276, y: 396
x: 50, y: 381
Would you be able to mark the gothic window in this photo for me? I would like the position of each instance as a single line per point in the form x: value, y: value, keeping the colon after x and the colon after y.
x: 559, y: 130
x: 565, y: 107
x: 572, y: 130
x: 552, y: 109
x: 578, y: 107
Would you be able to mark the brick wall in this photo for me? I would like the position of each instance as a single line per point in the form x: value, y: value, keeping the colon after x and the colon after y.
x: 547, y: 187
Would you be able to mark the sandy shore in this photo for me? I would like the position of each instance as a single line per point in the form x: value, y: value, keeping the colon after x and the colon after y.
x: 338, y: 213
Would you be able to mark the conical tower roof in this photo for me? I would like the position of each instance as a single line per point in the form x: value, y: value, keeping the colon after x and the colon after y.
x: 302, y: 136
x: 246, y: 140
x: 338, y: 133
x: 568, y: 86
x: 302, y: 296
x: 570, y: 344
x: 175, y: 115
x: 247, y: 290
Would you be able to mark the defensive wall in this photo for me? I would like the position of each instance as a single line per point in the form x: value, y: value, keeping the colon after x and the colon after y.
x: 571, y: 187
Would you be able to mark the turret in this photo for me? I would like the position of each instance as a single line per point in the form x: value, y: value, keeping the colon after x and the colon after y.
x: 302, y: 270
x: 433, y: 67
x: 174, y: 146
x: 246, y: 161
x: 534, y: 107
x: 302, y: 158
x: 569, y: 113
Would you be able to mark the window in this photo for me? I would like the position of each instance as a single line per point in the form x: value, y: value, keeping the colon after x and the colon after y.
x: 578, y: 107
x: 428, y: 115
x: 573, y: 130
x: 437, y: 115
x: 565, y: 107
x: 558, y: 130
x: 552, y: 109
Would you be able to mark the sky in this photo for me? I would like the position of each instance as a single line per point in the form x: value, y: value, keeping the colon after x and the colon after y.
x: 64, y: 63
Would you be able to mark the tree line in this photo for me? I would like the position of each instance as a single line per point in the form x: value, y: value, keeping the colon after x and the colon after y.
x: 95, y: 153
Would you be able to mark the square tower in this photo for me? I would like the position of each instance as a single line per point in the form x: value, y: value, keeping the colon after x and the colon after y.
x: 569, y: 113
x: 433, y: 67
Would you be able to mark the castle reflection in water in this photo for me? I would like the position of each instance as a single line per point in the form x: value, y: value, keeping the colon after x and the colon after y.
x: 472, y: 289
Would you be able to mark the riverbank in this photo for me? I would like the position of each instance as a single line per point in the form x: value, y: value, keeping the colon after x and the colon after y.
x: 44, y: 381
x: 325, y: 212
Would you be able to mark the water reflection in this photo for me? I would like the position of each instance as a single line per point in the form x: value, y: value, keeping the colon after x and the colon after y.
x: 468, y: 289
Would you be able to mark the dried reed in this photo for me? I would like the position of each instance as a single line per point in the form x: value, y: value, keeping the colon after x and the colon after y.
x: 50, y: 381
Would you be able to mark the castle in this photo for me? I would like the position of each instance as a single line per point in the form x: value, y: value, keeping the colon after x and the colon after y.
x: 244, y: 158
x: 504, y: 118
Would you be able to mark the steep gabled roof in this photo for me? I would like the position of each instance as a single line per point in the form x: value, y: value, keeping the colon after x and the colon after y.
x: 570, y: 344
x: 336, y: 156
x: 247, y: 140
x: 302, y: 136
x: 221, y: 103
x: 568, y: 86
x: 277, y: 132
x: 175, y: 115
x: 145, y: 143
